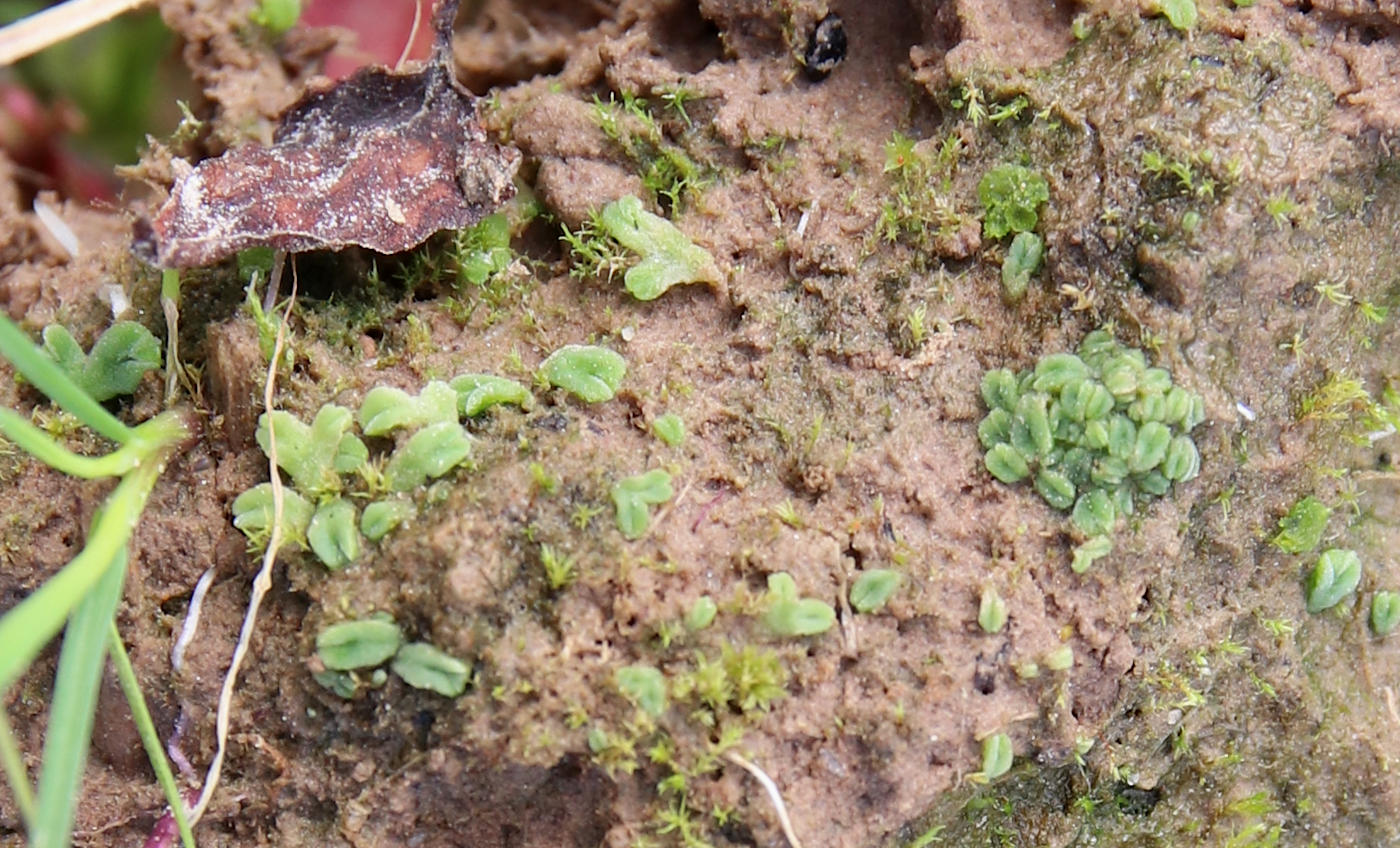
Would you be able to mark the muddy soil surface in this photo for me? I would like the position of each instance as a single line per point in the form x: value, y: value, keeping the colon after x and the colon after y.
x: 1225, y: 199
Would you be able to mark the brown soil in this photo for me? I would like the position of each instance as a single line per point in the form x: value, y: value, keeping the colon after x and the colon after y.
x: 825, y: 438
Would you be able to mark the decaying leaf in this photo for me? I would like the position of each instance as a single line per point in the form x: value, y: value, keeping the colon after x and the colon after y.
x: 382, y: 160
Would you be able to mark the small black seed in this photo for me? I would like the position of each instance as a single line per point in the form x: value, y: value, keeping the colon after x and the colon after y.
x: 826, y: 48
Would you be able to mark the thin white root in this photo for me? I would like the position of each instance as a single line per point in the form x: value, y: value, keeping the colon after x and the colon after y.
x: 191, y: 625
x: 412, y: 34
x: 261, y: 583
x: 773, y: 795
x: 58, y: 228
x: 28, y: 36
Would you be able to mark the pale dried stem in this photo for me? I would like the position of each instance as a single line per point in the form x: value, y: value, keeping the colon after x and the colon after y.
x: 28, y: 36
x: 261, y: 583
x: 774, y: 795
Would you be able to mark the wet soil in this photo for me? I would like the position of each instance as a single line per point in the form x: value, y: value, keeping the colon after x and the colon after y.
x: 826, y: 436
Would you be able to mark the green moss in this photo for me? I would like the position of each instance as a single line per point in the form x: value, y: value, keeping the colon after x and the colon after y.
x: 1010, y: 196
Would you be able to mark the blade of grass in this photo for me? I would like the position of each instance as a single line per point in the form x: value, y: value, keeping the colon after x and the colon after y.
x: 73, y: 707
x: 49, y: 379
x: 42, y: 447
x: 15, y: 772
x: 131, y: 687
x: 30, y: 624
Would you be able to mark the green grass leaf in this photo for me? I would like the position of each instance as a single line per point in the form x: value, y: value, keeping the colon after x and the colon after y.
x: 73, y: 707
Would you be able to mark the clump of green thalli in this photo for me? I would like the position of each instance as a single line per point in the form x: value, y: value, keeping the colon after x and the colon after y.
x: 1097, y: 433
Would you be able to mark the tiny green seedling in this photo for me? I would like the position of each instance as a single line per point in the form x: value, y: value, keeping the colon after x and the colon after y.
x: 1060, y: 659
x: 276, y: 16
x: 1301, y: 529
x: 332, y: 534
x: 1096, y: 432
x: 477, y: 393
x: 350, y: 645
x: 588, y: 372
x: 1022, y: 260
x: 789, y: 615
x: 1336, y: 575
x: 429, y: 453
x: 424, y: 666
x: 701, y: 613
x: 1181, y: 14
x: 873, y: 589
x: 314, y: 456
x: 1385, y: 612
x: 253, y: 512
x: 634, y: 497
x: 482, y: 250
x: 997, y: 754
x: 1089, y: 550
x: 644, y: 686
x: 669, y: 428
x: 668, y: 257
x: 1011, y: 194
x: 120, y: 357
x: 991, y: 611
x: 385, y: 409
x: 381, y: 517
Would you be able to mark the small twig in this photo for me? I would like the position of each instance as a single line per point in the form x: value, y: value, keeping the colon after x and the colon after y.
x: 773, y: 795
x: 261, y: 583
x: 58, y: 23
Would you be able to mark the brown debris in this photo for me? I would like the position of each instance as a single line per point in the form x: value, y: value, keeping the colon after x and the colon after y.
x: 382, y: 160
